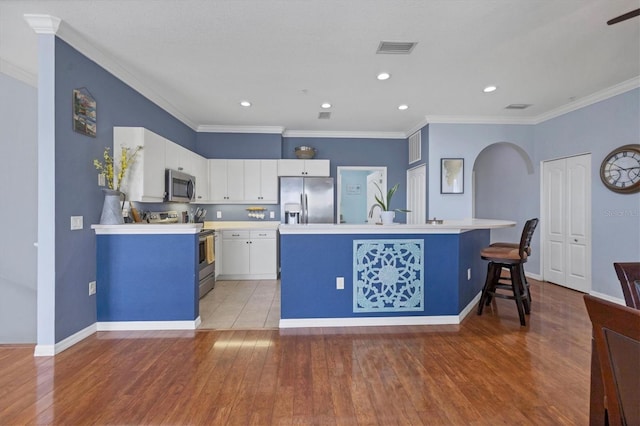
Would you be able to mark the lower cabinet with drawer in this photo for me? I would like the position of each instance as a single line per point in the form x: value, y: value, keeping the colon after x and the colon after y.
x: 249, y: 255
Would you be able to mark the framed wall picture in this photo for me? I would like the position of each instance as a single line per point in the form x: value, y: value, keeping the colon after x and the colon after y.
x: 84, y: 112
x: 452, y: 175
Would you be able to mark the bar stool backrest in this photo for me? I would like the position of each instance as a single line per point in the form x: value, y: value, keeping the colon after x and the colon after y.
x: 525, y: 239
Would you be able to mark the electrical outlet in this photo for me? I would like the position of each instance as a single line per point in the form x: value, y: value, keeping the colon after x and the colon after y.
x: 92, y: 288
x: 76, y: 223
x: 272, y: 215
x: 468, y: 274
x: 218, y: 214
x: 101, y: 181
x: 339, y: 283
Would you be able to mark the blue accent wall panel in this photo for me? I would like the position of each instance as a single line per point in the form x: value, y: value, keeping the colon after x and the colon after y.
x: 310, y: 265
x: 147, y: 278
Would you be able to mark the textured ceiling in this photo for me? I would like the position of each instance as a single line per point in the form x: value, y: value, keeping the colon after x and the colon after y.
x: 200, y: 58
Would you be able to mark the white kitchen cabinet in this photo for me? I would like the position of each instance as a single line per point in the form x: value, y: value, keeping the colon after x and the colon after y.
x: 201, y: 172
x: 179, y: 158
x: 249, y: 254
x: 145, y: 179
x: 261, y: 181
x: 226, y: 180
x: 319, y: 168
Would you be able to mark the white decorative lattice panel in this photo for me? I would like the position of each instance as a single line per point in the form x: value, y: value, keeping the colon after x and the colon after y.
x: 388, y: 275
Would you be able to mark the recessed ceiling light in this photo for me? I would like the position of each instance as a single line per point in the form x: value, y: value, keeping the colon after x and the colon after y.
x: 490, y: 89
x: 403, y: 107
x: 245, y: 103
x: 383, y: 76
x: 325, y: 105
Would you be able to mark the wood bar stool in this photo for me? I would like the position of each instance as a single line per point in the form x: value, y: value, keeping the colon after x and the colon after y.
x: 512, y: 257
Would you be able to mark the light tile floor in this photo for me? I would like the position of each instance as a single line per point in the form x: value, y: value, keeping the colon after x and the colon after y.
x: 241, y: 305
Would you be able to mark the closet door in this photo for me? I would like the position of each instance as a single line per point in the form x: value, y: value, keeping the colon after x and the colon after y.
x: 566, y: 222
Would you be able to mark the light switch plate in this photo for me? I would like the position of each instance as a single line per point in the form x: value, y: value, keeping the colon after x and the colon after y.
x: 76, y: 223
x: 218, y: 214
x: 272, y: 215
x: 101, y: 179
x: 339, y: 283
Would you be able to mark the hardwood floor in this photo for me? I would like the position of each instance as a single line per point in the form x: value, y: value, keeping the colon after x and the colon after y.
x: 486, y: 371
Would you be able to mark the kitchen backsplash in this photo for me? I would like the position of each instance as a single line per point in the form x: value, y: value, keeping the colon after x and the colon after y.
x: 229, y: 212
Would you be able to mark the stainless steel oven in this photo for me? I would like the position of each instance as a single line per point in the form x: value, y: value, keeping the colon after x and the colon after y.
x: 207, y: 261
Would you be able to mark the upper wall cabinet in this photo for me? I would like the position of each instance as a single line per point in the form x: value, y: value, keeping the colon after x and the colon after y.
x: 144, y: 181
x: 261, y: 181
x: 319, y: 168
x: 179, y: 158
x: 201, y: 172
x: 226, y: 181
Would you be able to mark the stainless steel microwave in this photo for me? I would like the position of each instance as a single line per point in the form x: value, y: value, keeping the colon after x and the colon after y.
x: 179, y: 187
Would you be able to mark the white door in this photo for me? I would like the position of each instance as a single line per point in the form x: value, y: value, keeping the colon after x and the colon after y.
x: 417, y: 195
x: 578, y: 254
x: 566, y: 222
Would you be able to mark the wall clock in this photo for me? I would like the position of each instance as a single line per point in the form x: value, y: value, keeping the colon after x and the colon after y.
x: 620, y: 169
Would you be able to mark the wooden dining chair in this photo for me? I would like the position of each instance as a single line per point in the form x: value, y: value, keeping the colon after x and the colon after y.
x: 616, y: 332
x: 629, y: 276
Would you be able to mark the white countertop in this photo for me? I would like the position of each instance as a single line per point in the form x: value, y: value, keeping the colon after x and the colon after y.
x: 448, y: 227
x: 268, y: 224
x: 148, y: 228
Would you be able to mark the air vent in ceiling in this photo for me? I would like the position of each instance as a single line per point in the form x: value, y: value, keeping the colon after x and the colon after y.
x: 398, y: 47
x: 517, y: 106
x: 324, y: 115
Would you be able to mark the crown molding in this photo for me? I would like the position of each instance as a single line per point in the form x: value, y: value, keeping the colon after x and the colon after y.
x: 602, y: 95
x: 18, y: 73
x: 625, y: 86
x: 43, y: 24
x: 453, y: 119
x: 346, y: 134
x: 219, y: 128
x: 417, y: 127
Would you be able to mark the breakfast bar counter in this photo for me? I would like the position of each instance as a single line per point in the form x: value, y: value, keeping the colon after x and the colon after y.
x: 147, y: 276
x: 358, y: 275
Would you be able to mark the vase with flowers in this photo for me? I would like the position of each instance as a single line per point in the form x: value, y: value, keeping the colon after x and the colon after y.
x: 386, y: 214
x: 113, y: 175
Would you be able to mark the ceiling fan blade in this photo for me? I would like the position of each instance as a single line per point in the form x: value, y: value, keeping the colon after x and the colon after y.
x: 624, y: 17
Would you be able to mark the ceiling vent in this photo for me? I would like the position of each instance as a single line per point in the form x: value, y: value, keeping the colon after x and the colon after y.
x: 517, y: 106
x: 324, y: 115
x: 396, y: 47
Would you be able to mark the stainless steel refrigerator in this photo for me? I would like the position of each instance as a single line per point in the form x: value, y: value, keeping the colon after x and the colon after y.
x: 313, y: 196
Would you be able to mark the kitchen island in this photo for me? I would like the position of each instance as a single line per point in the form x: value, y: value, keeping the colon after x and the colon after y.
x: 147, y: 276
x: 358, y: 275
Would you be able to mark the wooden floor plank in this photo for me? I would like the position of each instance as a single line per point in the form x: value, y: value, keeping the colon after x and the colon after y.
x: 488, y: 370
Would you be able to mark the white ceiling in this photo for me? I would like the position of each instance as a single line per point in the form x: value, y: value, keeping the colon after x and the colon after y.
x: 199, y: 58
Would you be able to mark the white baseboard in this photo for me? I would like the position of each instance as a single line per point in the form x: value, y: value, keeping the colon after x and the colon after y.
x: 380, y: 321
x: 533, y: 276
x: 607, y: 297
x: 51, y: 350
x: 148, y: 325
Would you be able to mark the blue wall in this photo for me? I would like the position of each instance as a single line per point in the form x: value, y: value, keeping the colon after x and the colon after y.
x: 18, y: 215
x: 77, y: 192
x: 615, y: 218
x: 392, y: 153
x: 239, y: 145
